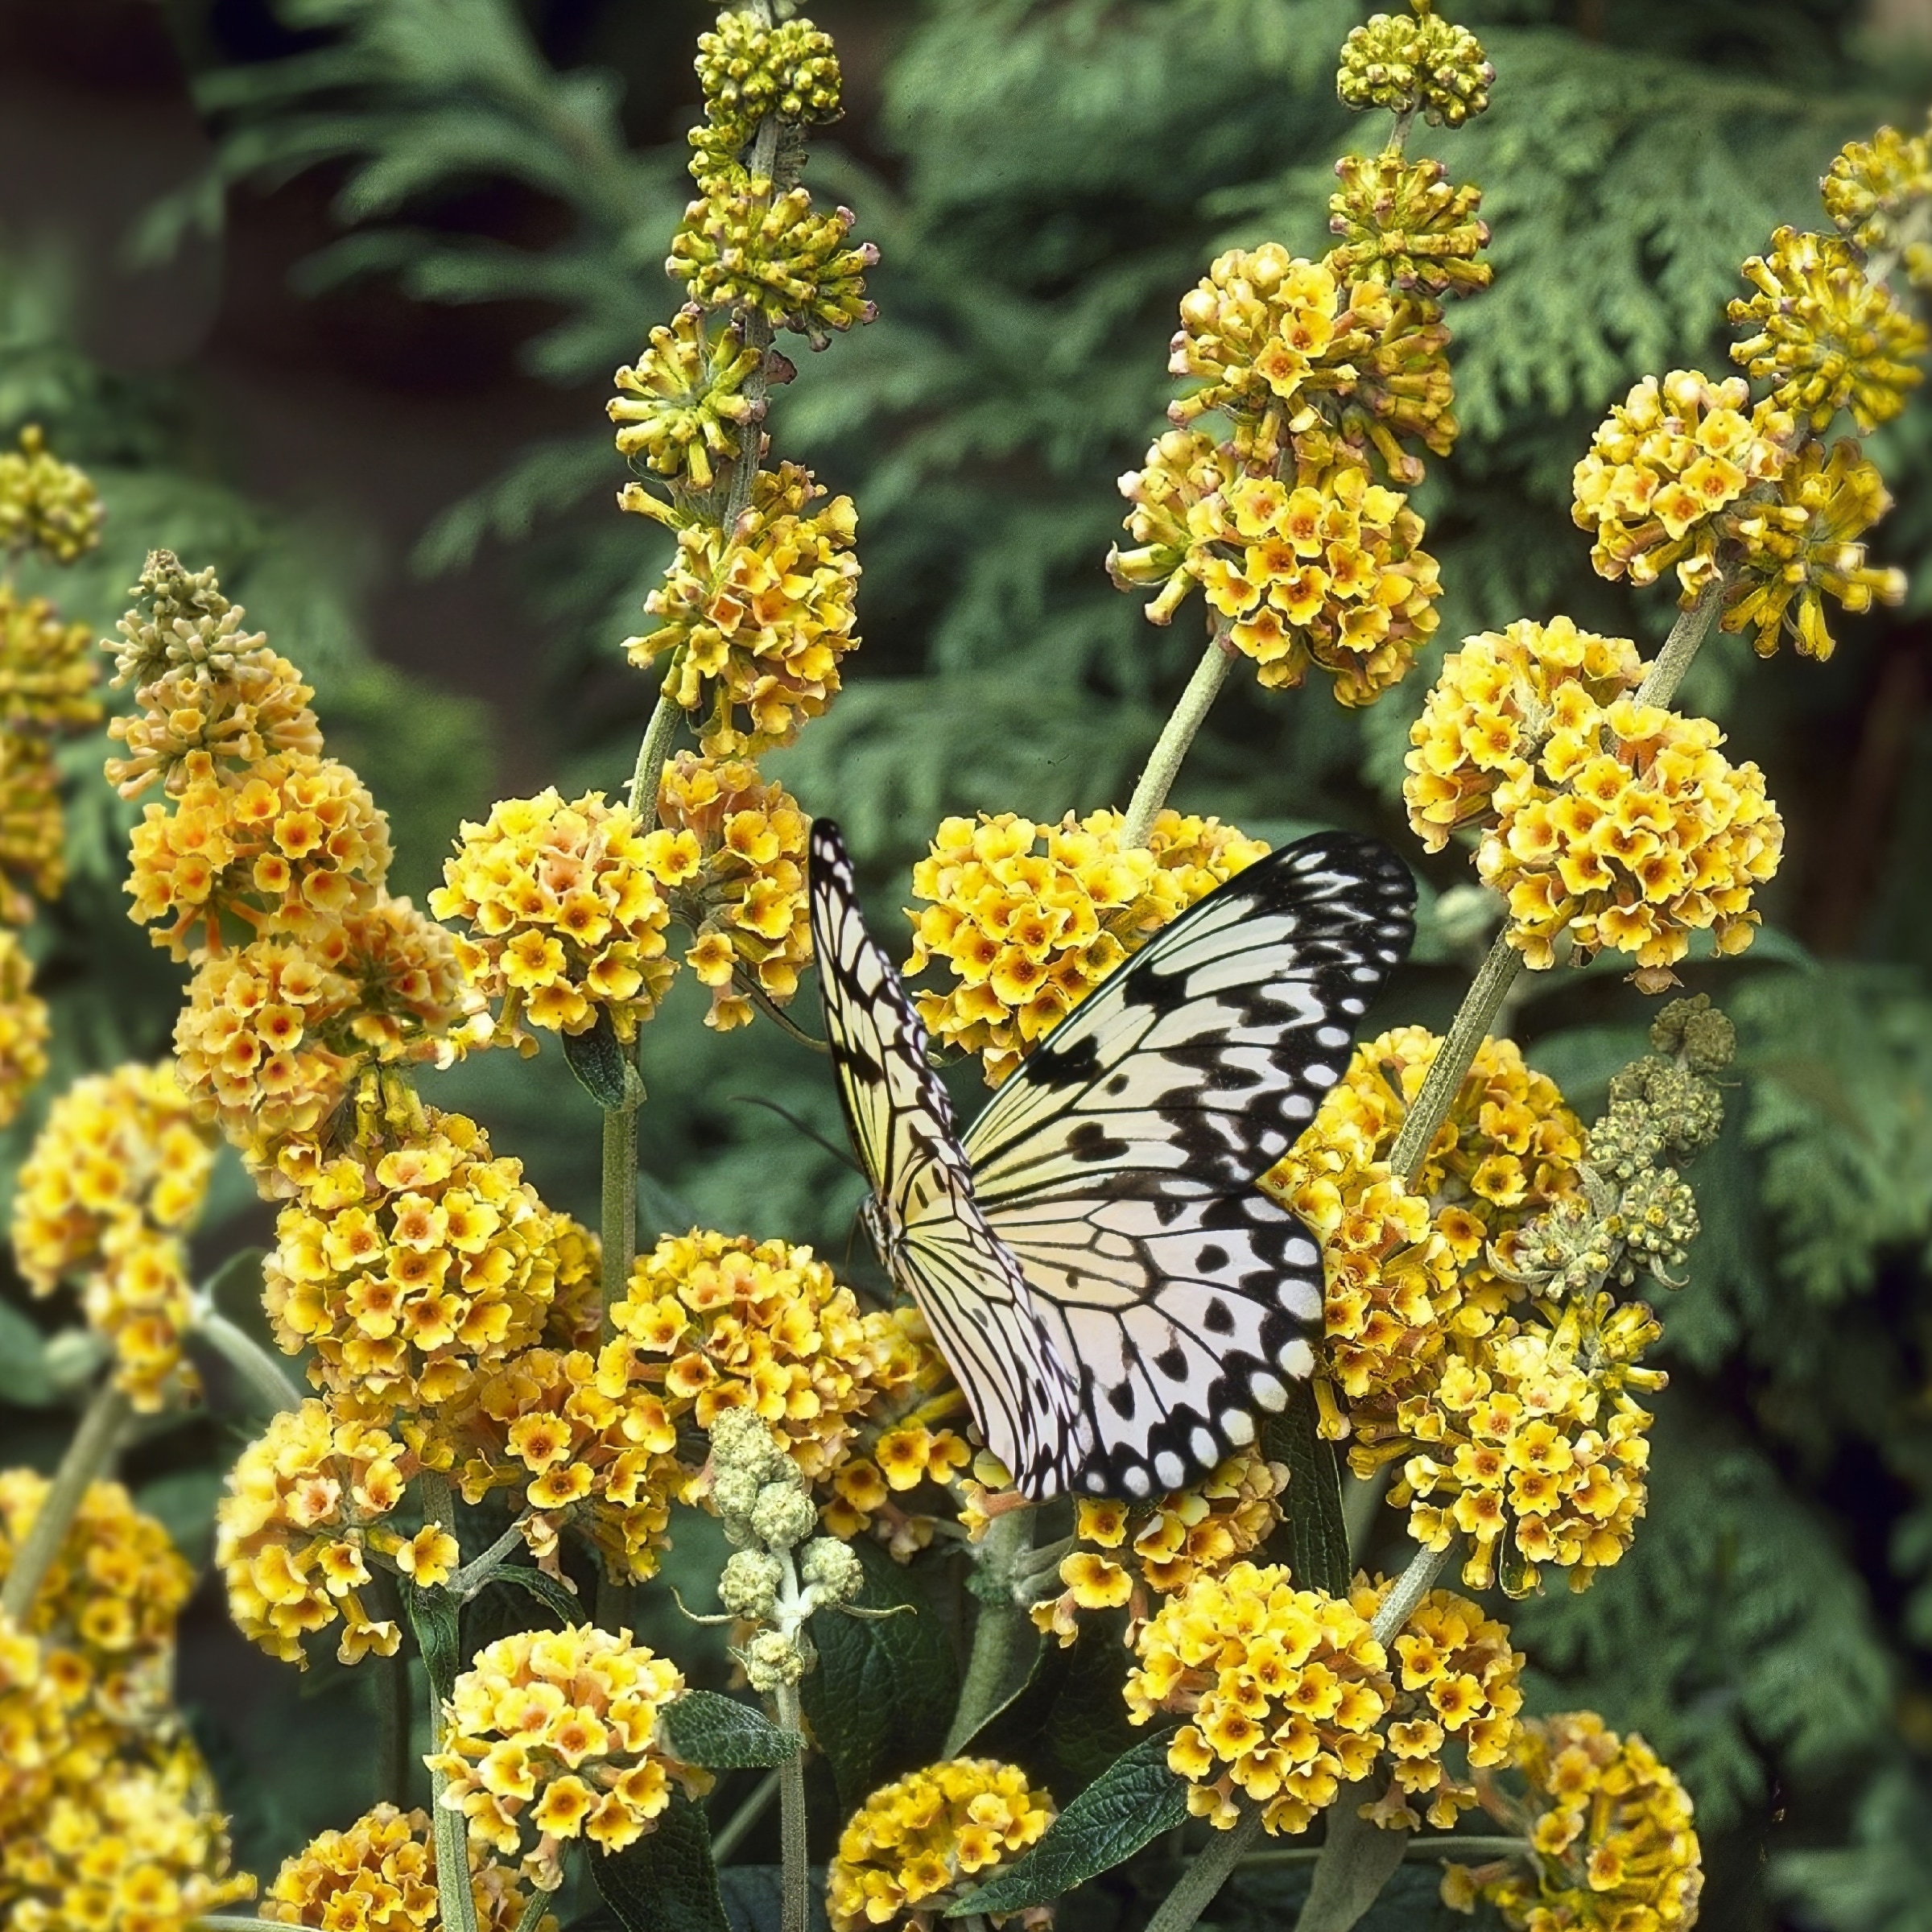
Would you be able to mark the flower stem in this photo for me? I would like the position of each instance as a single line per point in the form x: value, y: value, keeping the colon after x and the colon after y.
x: 1667, y: 670
x: 619, y: 1209
x: 263, y: 1375
x: 474, y: 1574
x: 392, y: 1702
x: 1003, y: 1626
x: 1164, y: 761
x: 1411, y: 1586
x: 451, y: 1827
x: 741, y: 1820
x: 1420, y: 1850
x: 87, y: 1455
x: 794, y: 1876
x: 1358, y: 1858
x: 534, y: 1909
x: 1205, y: 1876
x: 654, y: 754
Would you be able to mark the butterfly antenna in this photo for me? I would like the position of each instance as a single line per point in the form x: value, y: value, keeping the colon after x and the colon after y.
x: 810, y: 1133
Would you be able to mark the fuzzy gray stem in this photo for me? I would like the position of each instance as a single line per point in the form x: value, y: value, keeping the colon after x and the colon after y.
x: 1667, y: 671
x: 653, y: 753
x: 88, y: 1457
x: 794, y: 1873
x: 1205, y: 1876
x: 1411, y: 1586
x: 451, y: 1827
x: 1164, y: 761
x: 257, y: 1367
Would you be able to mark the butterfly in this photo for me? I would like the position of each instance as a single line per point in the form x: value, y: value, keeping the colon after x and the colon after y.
x: 1114, y: 1296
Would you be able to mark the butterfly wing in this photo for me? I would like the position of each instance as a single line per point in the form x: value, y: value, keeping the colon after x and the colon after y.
x: 1116, y: 1166
x: 930, y: 1234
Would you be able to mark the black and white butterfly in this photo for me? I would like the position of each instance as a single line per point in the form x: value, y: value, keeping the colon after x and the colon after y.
x: 1115, y: 1297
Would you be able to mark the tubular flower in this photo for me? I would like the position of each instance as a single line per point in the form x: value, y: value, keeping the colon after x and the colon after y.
x: 404, y: 1271
x: 1456, y: 1691
x: 306, y: 1506
x: 918, y: 1846
x: 33, y: 833
x: 46, y: 504
x: 1803, y: 544
x: 1872, y: 183
x: 275, y: 1033
x: 34, y: 1737
x: 749, y: 70
x: 104, y: 1613
x: 710, y: 1322
x: 380, y: 1875
x: 756, y: 618
x: 1405, y: 1269
x: 732, y: 856
x: 47, y: 671
x: 551, y: 1735
x: 565, y: 914
x: 1400, y: 221
x: 1528, y: 1442
x: 544, y: 1422
x: 681, y: 404
x: 1662, y: 465
x: 1028, y: 934
x: 139, y: 1848
x: 745, y: 245
x: 293, y: 843
x: 23, y: 1028
x: 1828, y: 337
x: 1404, y: 63
x: 905, y: 1442
x: 1124, y: 1551
x: 1611, y: 1844
x: 1284, y: 1690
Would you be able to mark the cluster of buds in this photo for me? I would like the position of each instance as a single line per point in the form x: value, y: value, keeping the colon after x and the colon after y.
x: 1418, y: 63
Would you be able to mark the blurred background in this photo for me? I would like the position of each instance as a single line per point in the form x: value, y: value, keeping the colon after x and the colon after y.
x: 327, y: 293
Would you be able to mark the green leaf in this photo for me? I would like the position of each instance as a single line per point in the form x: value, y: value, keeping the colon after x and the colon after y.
x: 1315, y: 1529
x: 706, y: 1727
x: 1134, y: 1800
x: 23, y: 1378
x: 547, y: 1590
x: 666, y: 1882
x: 884, y: 1689
x: 1067, y: 1723
x: 599, y: 1062
x: 434, y: 1615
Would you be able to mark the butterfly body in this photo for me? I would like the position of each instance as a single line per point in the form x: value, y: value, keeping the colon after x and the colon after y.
x: 1113, y: 1294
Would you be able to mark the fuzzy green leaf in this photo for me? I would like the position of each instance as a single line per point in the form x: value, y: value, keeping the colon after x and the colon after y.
x: 597, y: 1060
x: 1316, y: 1531
x: 706, y: 1727
x: 23, y: 1378
x: 666, y: 1882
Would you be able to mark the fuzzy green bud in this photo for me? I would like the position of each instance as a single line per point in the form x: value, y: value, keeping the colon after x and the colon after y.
x: 831, y: 1569
x: 783, y: 1516
x: 750, y: 1583
x: 1659, y: 1215
x: 1406, y: 64
x: 1697, y: 1032
x: 771, y: 1659
x: 1400, y: 221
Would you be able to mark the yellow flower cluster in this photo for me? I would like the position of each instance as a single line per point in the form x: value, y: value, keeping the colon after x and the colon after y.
x: 734, y: 873
x: 47, y: 671
x: 1029, y: 919
x: 1457, y: 1688
x: 745, y: 244
x: 1663, y: 464
x: 1612, y: 1847
x: 33, y: 832
x: 1622, y: 821
x: 1400, y: 221
x: 755, y: 619
x: 916, y: 1846
x: 1407, y: 62
x: 1124, y: 1551
x: 404, y: 1271
x: 1285, y: 1691
x: 46, y: 504
x: 113, y: 1182
x: 1805, y: 543
x: 1872, y: 183
x: 580, y: 1446
x: 551, y: 1735
x: 305, y: 1508
x: 104, y: 1612
x: 682, y: 405
x: 1529, y: 1442
x: 1828, y: 336
x: 33, y: 1730
x: 749, y: 70
x: 380, y: 1875
x: 136, y: 1848
x: 23, y: 1028
x: 566, y: 918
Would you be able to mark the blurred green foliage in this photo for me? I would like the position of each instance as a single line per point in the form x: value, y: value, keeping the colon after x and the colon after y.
x: 1044, y: 180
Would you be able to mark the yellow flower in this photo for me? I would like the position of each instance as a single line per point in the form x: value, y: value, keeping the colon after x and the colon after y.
x: 1285, y: 1691
x: 917, y: 1846
x: 566, y: 918
x: 1123, y: 1553
x: 557, y: 1729
x: 1403, y: 223
x: 1403, y: 63
x: 682, y: 404
x: 1612, y: 1844
x: 406, y: 1269
x: 35, y: 1735
x: 23, y: 1028
x: 755, y: 619
x: 33, y: 833
x: 46, y: 504
x: 380, y: 1875
x: 47, y: 671
x: 305, y: 1510
x: 1029, y: 933
x: 1828, y: 337
x: 1872, y: 183
x: 749, y: 70
x: 731, y: 852
x: 116, y: 1175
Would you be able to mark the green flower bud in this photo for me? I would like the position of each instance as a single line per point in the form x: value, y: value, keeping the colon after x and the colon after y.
x: 1625, y: 1142
x: 1405, y: 64
x: 783, y: 1515
x: 750, y: 1585
x: 771, y: 1659
x: 831, y: 1569
x: 1697, y: 1032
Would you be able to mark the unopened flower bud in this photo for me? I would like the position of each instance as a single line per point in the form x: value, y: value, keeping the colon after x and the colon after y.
x: 748, y: 1586
x: 783, y: 1516
x: 831, y: 1568
x: 772, y: 1659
